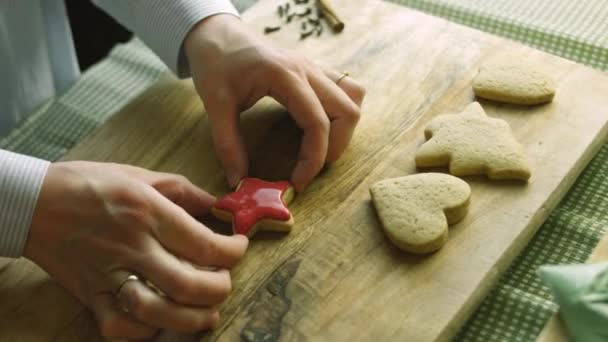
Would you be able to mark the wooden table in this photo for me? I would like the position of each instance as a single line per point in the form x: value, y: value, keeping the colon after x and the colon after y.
x: 336, y: 277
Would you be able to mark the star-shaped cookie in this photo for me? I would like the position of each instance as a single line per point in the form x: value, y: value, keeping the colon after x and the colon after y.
x: 257, y: 205
x: 471, y: 143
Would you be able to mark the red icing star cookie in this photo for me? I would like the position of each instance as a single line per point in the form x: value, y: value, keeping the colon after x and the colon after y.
x: 257, y: 205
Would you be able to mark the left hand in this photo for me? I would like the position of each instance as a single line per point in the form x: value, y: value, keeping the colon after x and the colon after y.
x: 97, y: 223
x: 233, y: 68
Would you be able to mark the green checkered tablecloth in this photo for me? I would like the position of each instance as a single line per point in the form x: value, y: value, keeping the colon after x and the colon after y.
x: 518, y: 307
x: 101, y: 91
x: 573, y: 29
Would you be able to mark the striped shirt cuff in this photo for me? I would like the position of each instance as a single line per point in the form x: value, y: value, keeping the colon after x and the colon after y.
x: 164, y: 24
x: 21, y: 178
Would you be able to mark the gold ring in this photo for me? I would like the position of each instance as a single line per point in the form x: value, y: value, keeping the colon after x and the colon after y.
x: 131, y: 277
x: 342, y: 76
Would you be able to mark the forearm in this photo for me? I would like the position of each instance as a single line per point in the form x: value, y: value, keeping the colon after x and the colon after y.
x: 163, y: 25
x: 21, y: 178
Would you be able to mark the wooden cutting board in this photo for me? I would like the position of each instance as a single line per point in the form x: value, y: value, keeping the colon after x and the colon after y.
x: 555, y: 330
x: 336, y: 277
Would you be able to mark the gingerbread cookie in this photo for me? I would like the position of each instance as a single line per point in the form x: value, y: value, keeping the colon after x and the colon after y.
x: 512, y: 80
x: 416, y: 210
x: 257, y: 205
x: 471, y: 143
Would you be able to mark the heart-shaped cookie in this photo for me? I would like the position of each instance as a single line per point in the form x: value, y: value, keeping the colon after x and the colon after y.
x: 416, y: 210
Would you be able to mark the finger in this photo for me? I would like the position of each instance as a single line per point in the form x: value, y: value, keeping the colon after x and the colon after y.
x: 342, y: 111
x: 302, y: 102
x: 176, y: 188
x: 348, y: 84
x: 183, y: 282
x: 224, y: 121
x: 155, y: 310
x: 189, y: 239
x: 179, y: 190
x: 114, y: 322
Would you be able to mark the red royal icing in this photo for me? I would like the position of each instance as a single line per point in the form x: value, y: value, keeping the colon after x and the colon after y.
x: 254, y: 200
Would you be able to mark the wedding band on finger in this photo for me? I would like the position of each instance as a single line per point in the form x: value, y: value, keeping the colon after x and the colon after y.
x: 130, y: 277
x: 342, y: 76
x: 133, y: 277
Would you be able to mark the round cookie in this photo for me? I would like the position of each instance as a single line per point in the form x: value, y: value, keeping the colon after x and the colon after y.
x: 510, y: 82
x: 416, y: 210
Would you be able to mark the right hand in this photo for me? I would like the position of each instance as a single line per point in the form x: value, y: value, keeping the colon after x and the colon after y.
x: 96, y: 223
x: 233, y: 67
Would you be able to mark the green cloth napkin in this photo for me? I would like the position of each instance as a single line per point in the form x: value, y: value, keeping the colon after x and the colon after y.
x: 582, y: 294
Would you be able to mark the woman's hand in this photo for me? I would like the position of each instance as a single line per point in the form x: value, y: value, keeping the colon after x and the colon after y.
x: 95, y: 224
x: 233, y: 68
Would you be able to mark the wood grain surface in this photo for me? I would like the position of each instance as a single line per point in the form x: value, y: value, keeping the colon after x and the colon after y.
x: 335, y: 276
x: 555, y: 330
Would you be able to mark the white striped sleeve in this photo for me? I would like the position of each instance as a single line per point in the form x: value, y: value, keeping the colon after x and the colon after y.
x: 21, y: 178
x: 164, y: 24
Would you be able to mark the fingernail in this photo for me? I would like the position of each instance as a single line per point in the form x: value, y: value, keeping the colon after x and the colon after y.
x: 233, y: 179
x: 298, y: 185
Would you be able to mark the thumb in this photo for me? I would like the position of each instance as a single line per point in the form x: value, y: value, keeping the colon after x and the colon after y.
x: 182, y: 192
x: 177, y: 188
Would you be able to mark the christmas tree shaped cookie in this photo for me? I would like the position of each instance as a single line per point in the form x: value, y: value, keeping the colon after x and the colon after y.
x: 471, y: 143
